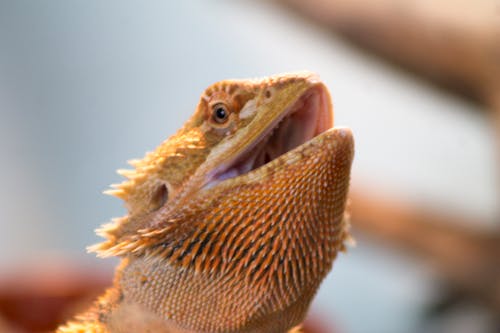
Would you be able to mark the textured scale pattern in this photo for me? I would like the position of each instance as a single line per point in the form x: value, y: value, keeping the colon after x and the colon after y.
x: 271, y: 241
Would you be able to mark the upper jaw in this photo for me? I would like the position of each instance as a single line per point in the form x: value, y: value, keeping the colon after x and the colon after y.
x: 304, y: 118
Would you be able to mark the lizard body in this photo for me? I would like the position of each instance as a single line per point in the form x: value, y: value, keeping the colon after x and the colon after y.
x: 234, y: 221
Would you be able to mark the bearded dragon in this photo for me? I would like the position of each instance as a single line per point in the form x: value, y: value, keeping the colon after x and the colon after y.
x: 232, y: 222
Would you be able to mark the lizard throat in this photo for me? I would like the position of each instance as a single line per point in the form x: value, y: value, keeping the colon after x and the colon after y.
x: 309, y: 116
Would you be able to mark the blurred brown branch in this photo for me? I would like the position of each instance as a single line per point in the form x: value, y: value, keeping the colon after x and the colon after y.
x: 38, y: 296
x: 467, y: 258
x: 453, y: 42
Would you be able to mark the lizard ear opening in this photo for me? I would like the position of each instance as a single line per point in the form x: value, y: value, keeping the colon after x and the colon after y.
x: 159, y: 197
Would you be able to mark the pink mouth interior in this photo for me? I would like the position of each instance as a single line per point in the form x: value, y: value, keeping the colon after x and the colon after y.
x: 307, y: 118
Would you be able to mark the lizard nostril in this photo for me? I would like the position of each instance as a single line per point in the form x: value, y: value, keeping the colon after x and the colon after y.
x: 159, y: 197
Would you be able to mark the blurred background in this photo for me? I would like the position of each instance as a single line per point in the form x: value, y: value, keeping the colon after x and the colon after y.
x: 87, y: 85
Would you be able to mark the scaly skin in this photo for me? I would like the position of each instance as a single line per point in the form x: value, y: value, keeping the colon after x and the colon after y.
x: 244, y: 254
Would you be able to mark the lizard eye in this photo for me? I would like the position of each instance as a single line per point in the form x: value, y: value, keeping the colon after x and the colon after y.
x: 220, y: 113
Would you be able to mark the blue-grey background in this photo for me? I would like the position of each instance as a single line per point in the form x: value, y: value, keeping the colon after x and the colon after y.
x: 87, y: 85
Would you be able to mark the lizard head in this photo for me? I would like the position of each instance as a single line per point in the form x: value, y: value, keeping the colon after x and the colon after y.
x: 238, y: 126
x: 244, y: 205
x: 271, y: 117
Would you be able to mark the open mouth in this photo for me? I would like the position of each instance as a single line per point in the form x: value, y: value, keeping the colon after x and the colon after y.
x: 308, y: 117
